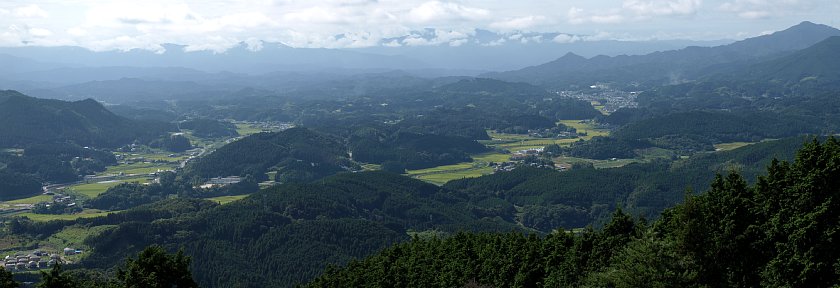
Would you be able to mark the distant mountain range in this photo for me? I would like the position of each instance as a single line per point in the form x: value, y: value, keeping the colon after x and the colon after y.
x: 73, y: 73
x: 421, y: 52
x: 670, y: 67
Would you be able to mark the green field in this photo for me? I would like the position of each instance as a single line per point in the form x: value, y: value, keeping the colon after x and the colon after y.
x: 599, y: 164
x: 87, y: 213
x: 371, y: 167
x: 73, y: 237
x: 31, y: 200
x: 246, y: 129
x: 442, y: 174
x: 139, y: 168
x: 731, y: 145
x: 515, y: 142
x: 586, y: 127
x: 92, y: 190
x: 227, y: 199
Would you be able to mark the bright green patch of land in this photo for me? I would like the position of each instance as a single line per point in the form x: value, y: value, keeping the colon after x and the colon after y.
x: 139, y: 168
x: 515, y: 142
x: 442, y: 178
x: 442, y: 174
x: 599, y: 164
x: 587, y: 127
x: 731, y: 145
x: 31, y: 200
x: 92, y: 190
x: 87, y: 213
x: 371, y: 167
x: 73, y: 237
x: 246, y: 129
x: 226, y: 199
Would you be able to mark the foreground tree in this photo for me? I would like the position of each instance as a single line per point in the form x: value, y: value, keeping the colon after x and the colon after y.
x: 6, y: 279
x: 154, y: 268
x: 57, y: 278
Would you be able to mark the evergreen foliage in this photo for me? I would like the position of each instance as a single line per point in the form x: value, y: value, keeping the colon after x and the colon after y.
x: 775, y: 233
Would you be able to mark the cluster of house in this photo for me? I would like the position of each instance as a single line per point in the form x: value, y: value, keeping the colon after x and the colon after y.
x: 35, y: 260
x: 519, y: 158
x: 221, y: 181
x: 59, y: 198
x: 522, y: 154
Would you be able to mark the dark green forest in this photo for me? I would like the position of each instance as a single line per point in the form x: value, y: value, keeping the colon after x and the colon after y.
x: 774, y: 233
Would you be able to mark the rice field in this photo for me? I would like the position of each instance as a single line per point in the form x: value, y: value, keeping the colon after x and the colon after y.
x: 442, y: 174
x: 31, y: 200
x: 731, y: 145
x: 87, y: 213
x: 226, y: 199
x: 139, y: 168
x: 92, y: 190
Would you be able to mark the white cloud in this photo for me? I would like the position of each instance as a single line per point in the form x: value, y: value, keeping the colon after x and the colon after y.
x: 217, y: 25
x: 458, y: 42
x: 31, y: 11
x: 437, y: 12
x: 518, y: 23
x: 756, y: 9
x: 566, y: 38
x: 39, y: 32
x: 645, y: 8
x: 635, y: 10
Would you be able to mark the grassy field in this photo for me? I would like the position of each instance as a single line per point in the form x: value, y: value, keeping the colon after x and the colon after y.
x: 515, y: 142
x: 226, y: 199
x: 92, y: 190
x: 586, y: 127
x: 443, y: 177
x: 731, y: 145
x: 73, y: 237
x: 600, y: 164
x: 371, y: 167
x: 442, y: 174
x: 87, y: 213
x: 246, y: 129
x: 139, y: 168
x: 31, y: 200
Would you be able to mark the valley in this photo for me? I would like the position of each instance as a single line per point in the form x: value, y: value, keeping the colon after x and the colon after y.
x: 666, y: 168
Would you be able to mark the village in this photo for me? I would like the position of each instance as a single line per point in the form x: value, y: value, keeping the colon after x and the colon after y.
x: 36, y: 260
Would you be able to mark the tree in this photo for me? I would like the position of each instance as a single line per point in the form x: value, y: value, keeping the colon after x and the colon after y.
x: 6, y: 279
x: 155, y: 268
x: 57, y: 278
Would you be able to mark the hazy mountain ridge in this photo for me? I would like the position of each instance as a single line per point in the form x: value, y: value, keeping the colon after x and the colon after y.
x: 665, y: 67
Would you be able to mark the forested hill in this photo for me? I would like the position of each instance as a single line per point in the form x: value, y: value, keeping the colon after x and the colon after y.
x: 298, y: 154
x: 286, y: 234
x: 27, y: 120
x: 779, y: 232
x: 819, y: 63
x: 669, y: 66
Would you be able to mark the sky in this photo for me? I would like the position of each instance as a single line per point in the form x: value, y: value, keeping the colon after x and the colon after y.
x: 218, y: 25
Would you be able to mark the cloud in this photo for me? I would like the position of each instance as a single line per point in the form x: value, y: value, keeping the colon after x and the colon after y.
x: 518, y: 23
x: 566, y: 38
x: 756, y: 9
x: 580, y: 16
x: 635, y: 10
x: 31, y: 11
x: 662, y: 8
x: 437, y: 12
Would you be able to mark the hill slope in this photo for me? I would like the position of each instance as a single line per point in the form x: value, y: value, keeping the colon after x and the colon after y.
x: 28, y: 120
